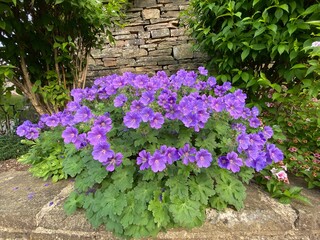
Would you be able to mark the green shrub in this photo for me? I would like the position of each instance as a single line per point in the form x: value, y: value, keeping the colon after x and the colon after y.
x: 256, y: 44
x: 11, y: 147
x: 46, y: 155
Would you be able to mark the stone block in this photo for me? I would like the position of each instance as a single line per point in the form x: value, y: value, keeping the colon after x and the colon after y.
x: 165, y: 1
x: 174, y: 14
x: 145, y: 3
x: 149, y: 46
x: 170, y: 7
x: 151, y: 13
x: 144, y: 35
x: 136, y: 42
x: 183, y: 51
x: 178, y: 32
x: 134, y: 52
x: 161, y: 33
x: 162, y: 20
x: 125, y: 37
x: 161, y: 52
x: 126, y: 62
x: 109, y: 62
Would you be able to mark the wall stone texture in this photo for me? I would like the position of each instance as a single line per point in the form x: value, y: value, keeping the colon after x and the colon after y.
x: 152, y: 40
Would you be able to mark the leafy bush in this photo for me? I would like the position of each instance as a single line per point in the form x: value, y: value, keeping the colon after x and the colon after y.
x: 256, y: 44
x: 11, y: 147
x: 153, y: 153
x: 45, y: 155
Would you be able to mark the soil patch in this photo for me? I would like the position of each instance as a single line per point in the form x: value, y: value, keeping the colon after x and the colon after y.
x: 12, y: 164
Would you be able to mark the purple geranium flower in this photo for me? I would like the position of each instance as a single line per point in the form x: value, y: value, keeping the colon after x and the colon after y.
x: 132, y: 120
x: 243, y: 142
x: 120, y: 100
x: 113, y: 161
x: 97, y: 135
x: 70, y: 135
x: 147, y: 114
x: 136, y: 106
x: 274, y: 153
x: 254, y: 122
x: 267, y: 132
x: 73, y: 106
x: 83, y: 114
x: 52, y: 121
x: 104, y: 122
x: 223, y: 162
x: 187, y: 154
x: 102, y: 152
x: 172, y: 155
x: 234, y: 162
x: 203, y: 71
x: 143, y: 159
x: 147, y: 97
x: 32, y: 133
x: 81, y: 141
x: 157, y: 121
x: 157, y: 162
x: 203, y: 158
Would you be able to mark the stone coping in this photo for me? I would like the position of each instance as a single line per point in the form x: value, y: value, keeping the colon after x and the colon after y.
x: 33, y: 209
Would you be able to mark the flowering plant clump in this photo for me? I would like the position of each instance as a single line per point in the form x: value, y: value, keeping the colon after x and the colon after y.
x: 150, y: 153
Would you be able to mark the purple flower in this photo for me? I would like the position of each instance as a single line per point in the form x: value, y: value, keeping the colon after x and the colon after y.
x: 240, y: 96
x: 120, y: 100
x: 253, y: 151
x: 212, y: 82
x: 172, y: 155
x: 147, y: 114
x: 218, y: 104
x: 102, y: 152
x: 267, y: 132
x: 32, y: 133
x: 234, y: 162
x: 77, y: 94
x: 157, y: 162
x: 187, y: 154
x: 203, y: 158
x: 22, y: 129
x: 223, y: 162
x: 52, y: 121
x: 132, y: 120
x: 255, y: 139
x: 70, y: 135
x: 73, y: 106
x: 203, y: 71
x: 254, y: 122
x: 254, y: 112
x: 66, y: 119
x: 83, y: 114
x: 104, y: 122
x: 143, y: 159
x: 243, y: 142
x: 173, y: 112
x: 239, y: 127
x: 97, y: 135
x: 140, y: 81
x: 81, y: 141
x: 113, y: 161
x: 157, y: 121
x: 136, y: 106
x: 147, y: 97
x: 274, y: 153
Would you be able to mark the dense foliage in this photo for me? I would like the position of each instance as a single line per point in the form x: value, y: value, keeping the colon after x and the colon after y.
x: 11, y: 147
x: 150, y: 153
x: 256, y: 44
x: 45, y: 45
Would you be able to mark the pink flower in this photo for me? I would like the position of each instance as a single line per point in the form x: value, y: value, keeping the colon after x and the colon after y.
x: 282, y: 176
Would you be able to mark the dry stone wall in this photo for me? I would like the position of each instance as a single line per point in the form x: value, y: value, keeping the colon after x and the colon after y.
x: 152, y: 40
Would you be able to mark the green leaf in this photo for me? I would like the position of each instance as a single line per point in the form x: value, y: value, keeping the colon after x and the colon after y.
x: 230, y: 46
x: 281, y: 49
x: 273, y: 28
x: 112, y: 202
x: 278, y: 14
x: 201, y: 188
x: 73, y: 202
x: 246, y: 174
x: 178, y: 187
x: 160, y: 212
x: 230, y: 190
x: 310, y: 9
x: 217, y: 203
x: 259, y: 31
x: 299, y: 65
x: 284, y: 7
x: 255, y: 2
x: 245, y: 53
x: 73, y: 165
x: 258, y: 46
x: 123, y: 177
x: 186, y: 212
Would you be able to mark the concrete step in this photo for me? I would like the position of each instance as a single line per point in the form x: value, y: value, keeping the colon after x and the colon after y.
x: 33, y: 209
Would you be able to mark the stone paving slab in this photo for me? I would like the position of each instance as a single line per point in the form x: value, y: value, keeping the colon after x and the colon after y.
x: 33, y: 209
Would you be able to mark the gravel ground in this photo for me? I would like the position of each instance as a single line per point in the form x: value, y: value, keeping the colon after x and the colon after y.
x: 12, y: 164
